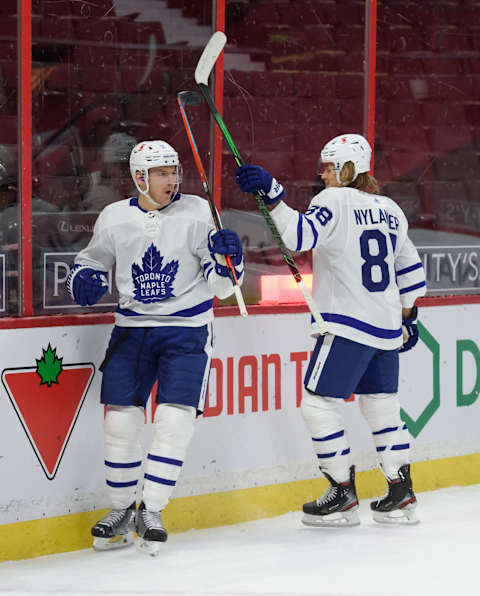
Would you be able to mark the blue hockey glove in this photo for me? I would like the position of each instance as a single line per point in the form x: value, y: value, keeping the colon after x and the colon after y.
x: 256, y: 179
x: 410, y: 331
x: 86, y: 285
x: 225, y: 242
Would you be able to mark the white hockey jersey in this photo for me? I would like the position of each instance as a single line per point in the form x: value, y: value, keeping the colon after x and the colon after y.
x: 365, y: 268
x: 165, y: 274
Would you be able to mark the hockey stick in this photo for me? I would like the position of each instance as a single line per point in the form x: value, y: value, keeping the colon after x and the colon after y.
x: 194, y: 99
x: 204, y: 67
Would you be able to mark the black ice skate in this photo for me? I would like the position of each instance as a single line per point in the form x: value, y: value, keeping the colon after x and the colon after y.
x: 336, y: 507
x: 150, y: 530
x: 115, y: 530
x: 398, y: 506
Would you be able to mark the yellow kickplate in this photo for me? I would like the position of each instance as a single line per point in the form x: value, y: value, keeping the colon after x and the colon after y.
x: 23, y: 540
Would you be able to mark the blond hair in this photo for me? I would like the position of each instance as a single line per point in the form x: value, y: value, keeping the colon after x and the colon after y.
x: 363, y: 181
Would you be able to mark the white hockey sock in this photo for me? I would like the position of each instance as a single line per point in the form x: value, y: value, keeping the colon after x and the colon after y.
x: 123, y: 453
x: 390, y: 434
x: 173, y: 430
x: 323, y: 419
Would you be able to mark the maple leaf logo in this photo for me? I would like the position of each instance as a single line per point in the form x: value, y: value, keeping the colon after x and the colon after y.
x: 152, y: 283
x: 49, y: 366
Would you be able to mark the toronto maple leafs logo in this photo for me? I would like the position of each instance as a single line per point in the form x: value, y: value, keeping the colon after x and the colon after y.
x: 152, y: 283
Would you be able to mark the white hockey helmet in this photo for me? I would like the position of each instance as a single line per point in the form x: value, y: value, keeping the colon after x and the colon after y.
x: 348, y: 147
x: 152, y: 154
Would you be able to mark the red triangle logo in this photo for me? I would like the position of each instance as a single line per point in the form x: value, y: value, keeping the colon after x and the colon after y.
x: 47, y: 400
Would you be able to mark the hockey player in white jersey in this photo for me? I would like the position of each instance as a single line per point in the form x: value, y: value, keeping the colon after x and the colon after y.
x: 367, y: 276
x: 170, y: 262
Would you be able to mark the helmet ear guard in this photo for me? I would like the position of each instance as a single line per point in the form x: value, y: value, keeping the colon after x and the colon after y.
x: 348, y: 147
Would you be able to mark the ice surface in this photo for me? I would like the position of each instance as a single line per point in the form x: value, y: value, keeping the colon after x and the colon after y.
x: 279, y: 556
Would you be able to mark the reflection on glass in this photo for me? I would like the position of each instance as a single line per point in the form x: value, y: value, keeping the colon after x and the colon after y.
x: 292, y: 82
x: 428, y: 130
x: 9, y: 215
x: 106, y: 75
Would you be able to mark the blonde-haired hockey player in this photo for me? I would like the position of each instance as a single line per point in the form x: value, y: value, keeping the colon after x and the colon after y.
x: 169, y: 265
x: 367, y: 276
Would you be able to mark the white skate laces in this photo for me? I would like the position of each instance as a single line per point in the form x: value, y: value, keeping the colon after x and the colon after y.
x: 336, y: 507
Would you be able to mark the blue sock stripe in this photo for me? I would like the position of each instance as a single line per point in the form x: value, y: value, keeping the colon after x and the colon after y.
x: 326, y: 455
x: 122, y: 484
x: 401, y: 446
x: 404, y: 427
x: 165, y: 460
x: 114, y: 464
x: 333, y: 453
x: 382, y: 448
x: 336, y: 435
x: 160, y: 480
x: 388, y: 429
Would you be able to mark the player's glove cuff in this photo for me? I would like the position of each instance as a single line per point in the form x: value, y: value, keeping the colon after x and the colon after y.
x: 410, y: 331
x: 275, y: 194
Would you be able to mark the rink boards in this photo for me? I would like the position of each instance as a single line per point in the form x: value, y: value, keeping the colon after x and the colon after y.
x: 251, y: 456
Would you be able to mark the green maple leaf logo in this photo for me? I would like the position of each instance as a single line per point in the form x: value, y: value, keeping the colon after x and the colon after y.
x: 49, y: 366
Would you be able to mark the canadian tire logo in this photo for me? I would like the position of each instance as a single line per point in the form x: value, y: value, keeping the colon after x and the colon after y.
x: 47, y: 399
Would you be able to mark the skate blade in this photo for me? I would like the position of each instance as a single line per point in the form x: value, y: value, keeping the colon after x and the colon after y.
x: 148, y: 547
x: 399, y: 517
x: 123, y: 541
x: 333, y: 520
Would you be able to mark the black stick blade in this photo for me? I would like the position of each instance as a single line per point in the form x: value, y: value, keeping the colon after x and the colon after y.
x: 190, y: 98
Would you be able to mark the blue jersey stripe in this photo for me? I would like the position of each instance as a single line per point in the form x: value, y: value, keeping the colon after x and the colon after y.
x: 208, y: 268
x: 187, y: 312
x: 414, y: 287
x: 165, y: 460
x: 159, y: 480
x: 299, y: 232
x: 361, y: 326
x: 314, y: 232
x: 408, y: 269
x: 133, y: 464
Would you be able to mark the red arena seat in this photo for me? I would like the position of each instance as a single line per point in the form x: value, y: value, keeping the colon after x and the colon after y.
x: 314, y: 84
x: 408, y: 165
x: 237, y: 82
x: 103, y: 78
x: 301, y: 14
x: 450, y: 138
x: 317, y: 111
x: 442, y: 113
x: 155, y: 81
x: 271, y: 84
x: 280, y: 163
x: 93, y: 8
x: 461, y: 165
x: 406, y: 137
